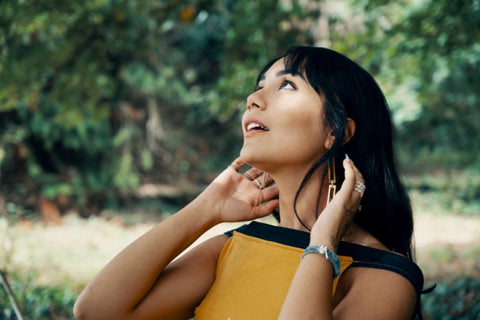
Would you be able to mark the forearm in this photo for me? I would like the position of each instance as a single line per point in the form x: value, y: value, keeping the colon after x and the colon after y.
x: 126, y: 279
x: 310, y: 294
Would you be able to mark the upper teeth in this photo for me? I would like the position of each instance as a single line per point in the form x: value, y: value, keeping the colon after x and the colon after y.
x: 255, y: 125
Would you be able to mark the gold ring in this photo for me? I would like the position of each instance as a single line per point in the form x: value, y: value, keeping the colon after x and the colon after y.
x: 259, y: 185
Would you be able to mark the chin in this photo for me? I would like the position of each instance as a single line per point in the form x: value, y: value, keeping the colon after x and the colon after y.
x: 255, y: 158
x: 246, y: 155
x: 249, y: 156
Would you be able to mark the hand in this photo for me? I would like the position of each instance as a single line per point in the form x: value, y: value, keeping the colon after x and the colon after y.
x: 237, y: 197
x: 338, y: 215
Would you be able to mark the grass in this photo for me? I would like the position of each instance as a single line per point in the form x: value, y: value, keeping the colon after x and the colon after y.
x: 70, y: 253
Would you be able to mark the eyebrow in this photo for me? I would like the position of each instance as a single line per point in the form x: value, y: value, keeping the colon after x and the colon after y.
x: 284, y: 72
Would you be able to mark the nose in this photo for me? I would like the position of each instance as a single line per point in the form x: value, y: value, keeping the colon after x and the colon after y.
x: 254, y: 100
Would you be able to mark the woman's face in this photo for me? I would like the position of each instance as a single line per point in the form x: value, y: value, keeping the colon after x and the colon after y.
x: 283, y: 123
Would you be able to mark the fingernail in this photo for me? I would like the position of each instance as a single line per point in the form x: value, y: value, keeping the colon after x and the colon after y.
x: 348, y: 158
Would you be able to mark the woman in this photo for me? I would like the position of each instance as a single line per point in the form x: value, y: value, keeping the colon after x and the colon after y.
x: 310, y: 108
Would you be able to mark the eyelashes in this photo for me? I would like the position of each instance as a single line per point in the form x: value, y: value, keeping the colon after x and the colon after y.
x: 286, y: 84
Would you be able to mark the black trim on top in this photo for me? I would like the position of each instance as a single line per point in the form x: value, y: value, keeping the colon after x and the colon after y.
x: 362, y: 256
x: 286, y: 236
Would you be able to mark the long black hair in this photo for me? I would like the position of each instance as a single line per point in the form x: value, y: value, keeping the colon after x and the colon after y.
x: 349, y: 91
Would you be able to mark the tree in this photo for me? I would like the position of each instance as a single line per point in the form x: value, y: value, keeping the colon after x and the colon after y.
x: 99, y: 96
x: 426, y: 55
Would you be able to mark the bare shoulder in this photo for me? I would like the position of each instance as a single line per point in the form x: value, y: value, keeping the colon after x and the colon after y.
x: 365, y: 292
x: 376, y: 294
x: 209, y: 250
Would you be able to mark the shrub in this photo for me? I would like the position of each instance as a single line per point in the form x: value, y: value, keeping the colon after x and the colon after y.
x: 35, y: 301
x: 453, y: 300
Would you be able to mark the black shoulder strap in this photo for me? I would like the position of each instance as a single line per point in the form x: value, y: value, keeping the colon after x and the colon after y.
x: 379, y: 259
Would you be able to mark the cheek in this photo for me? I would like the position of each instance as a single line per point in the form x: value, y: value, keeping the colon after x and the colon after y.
x: 304, y: 134
x: 306, y: 123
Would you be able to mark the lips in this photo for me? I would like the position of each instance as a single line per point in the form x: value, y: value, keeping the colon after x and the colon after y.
x: 255, y: 126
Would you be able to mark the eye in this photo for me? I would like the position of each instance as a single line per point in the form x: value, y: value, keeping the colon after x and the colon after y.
x: 288, y: 85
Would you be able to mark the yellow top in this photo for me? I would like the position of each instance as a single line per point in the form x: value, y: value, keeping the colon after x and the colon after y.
x: 252, y: 279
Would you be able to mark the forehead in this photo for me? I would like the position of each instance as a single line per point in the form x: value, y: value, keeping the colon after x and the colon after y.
x: 278, y: 69
x: 276, y: 66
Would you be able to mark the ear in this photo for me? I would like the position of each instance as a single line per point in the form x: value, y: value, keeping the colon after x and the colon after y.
x: 329, y: 140
x: 349, y: 130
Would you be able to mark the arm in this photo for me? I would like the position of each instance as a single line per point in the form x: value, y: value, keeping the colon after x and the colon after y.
x: 141, y: 283
x: 310, y: 294
x: 127, y: 284
x: 374, y: 294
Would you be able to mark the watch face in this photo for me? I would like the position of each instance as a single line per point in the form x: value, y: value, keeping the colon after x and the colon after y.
x: 322, y: 250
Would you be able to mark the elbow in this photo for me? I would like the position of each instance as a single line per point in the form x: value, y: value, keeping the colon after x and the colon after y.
x: 85, y: 308
x: 80, y: 309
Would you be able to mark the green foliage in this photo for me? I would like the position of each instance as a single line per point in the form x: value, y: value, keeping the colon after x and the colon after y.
x: 59, y: 92
x: 458, y: 191
x: 98, y: 97
x: 257, y: 32
x: 80, y: 82
x: 429, y: 50
x: 456, y: 299
x: 37, y: 301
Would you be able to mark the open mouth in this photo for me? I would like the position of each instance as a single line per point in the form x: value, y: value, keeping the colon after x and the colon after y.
x: 254, y: 126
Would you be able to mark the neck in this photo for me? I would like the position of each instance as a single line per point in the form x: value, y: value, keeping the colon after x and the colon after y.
x: 288, y: 182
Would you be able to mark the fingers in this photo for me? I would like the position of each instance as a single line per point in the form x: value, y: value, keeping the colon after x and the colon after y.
x: 357, y: 174
x: 266, y: 208
x: 265, y: 201
x: 269, y: 193
x: 353, y: 187
x: 253, y: 173
x: 359, y: 183
x: 259, y: 177
x: 237, y: 163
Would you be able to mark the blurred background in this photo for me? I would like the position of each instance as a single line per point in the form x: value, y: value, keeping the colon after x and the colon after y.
x: 115, y: 113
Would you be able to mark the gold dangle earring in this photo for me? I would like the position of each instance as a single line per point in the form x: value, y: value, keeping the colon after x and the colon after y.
x: 332, y: 186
